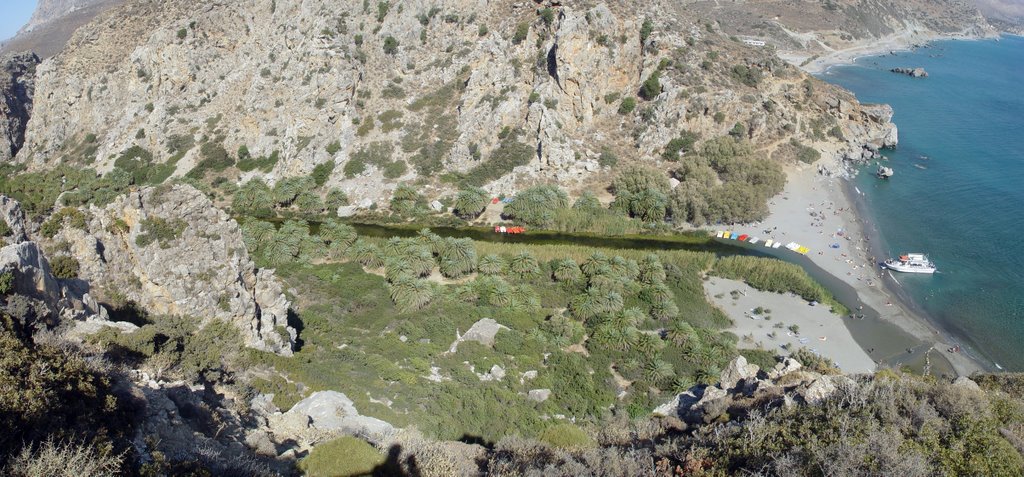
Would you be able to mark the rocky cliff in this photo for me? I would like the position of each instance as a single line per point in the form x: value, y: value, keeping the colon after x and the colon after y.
x: 408, y: 91
x: 171, y: 252
x: 17, y: 88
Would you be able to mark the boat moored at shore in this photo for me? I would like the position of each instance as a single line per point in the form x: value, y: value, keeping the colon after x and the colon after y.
x: 910, y: 263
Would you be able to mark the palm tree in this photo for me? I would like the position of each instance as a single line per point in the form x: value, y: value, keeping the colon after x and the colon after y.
x: 394, y: 269
x: 494, y: 290
x: 650, y: 205
x: 367, y: 254
x: 605, y: 283
x: 252, y: 197
x: 629, y: 317
x: 338, y: 236
x: 461, y: 255
x: 611, y: 302
x: 664, y: 310
x: 411, y: 294
x: 656, y: 293
x: 491, y: 264
x: 566, y: 271
x: 470, y: 203
x: 623, y: 268
x: 647, y: 344
x: 524, y: 265
x: 420, y: 259
x: 524, y: 298
x: 257, y: 234
x: 586, y: 305
x: 395, y: 246
x: 593, y: 263
x: 651, y: 270
x: 657, y: 371
x: 680, y: 332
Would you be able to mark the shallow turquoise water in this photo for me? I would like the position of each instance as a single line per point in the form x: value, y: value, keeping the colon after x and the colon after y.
x: 958, y: 189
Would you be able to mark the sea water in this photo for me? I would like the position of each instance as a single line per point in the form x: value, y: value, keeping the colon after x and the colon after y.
x: 958, y: 189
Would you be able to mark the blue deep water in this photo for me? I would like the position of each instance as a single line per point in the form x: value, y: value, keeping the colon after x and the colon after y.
x: 958, y: 189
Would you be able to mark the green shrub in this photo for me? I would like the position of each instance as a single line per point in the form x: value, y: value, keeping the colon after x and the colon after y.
x: 607, y: 158
x: 746, y: 75
x: 265, y: 163
x: 215, y: 158
x: 331, y: 148
x: 68, y: 215
x: 65, y: 267
x: 322, y: 172
x: 651, y: 87
x: 345, y: 456
x: 645, y: 30
x: 382, y: 10
x: 390, y: 45
x: 406, y: 200
x: 509, y: 154
x: 182, y: 33
x: 6, y: 282
x: 627, y: 105
x: 565, y: 435
x: 547, y: 15
x: 522, y: 30
x: 336, y: 198
x: 159, y: 230
x: 682, y: 144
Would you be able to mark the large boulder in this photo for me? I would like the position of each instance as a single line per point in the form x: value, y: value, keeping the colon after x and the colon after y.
x: 50, y: 300
x: 169, y: 250
x: 483, y: 332
x: 737, y: 371
x: 327, y: 414
x: 14, y: 217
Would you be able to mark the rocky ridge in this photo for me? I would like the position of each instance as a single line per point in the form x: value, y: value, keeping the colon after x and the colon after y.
x: 168, y: 250
x: 17, y: 89
x: 146, y: 73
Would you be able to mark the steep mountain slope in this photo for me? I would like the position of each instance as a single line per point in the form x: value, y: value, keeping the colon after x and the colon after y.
x: 496, y: 95
x: 53, y: 23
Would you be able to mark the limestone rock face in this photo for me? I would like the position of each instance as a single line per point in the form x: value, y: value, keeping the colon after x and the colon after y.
x: 172, y: 252
x: 483, y: 332
x: 326, y: 414
x: 17, y: 89
x: 11, y: 213
x: 34, y: 280
x: 737, y: 371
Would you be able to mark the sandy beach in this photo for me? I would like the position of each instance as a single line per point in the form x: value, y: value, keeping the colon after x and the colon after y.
x: 815, y: 212
x: 817, y: 329
x: 900, y: 41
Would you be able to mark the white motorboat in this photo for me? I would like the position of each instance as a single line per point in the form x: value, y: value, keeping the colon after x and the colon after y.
x: 910, y: 263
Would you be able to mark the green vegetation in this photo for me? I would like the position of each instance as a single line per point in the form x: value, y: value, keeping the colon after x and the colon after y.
x: 566, y: 436
x: 470, y: 203
x: 536, y: 206
x: 64, y: 267
x: 509, y: 154
x: 159, y: 230
x: 627, y: 105
x: 727, y: 182
x: 50, y: 392
x: 522, y: 29
x: 547, y: 15
x: 390, y: 45
x: 645, y: 31
x: 68, y: 216
x: 322, y: 172
x: 746, y: 75
x: 345, y: 456
x: 680, y: 145
x: 806, y: 154
x: 651, y: 87
x: 6, y: 282
x: 776, y: 276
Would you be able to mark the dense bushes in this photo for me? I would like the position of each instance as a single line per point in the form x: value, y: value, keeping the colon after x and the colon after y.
x: 509, y: 154
x: 53, y: 393
x: 642, y: 192
x: 64, y: 267
x: 536, y: 205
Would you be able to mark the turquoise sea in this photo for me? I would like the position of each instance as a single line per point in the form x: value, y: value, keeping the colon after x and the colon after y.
x: 958, y: 189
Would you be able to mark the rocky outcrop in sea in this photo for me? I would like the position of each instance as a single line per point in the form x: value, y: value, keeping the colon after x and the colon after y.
x: 913, y: 72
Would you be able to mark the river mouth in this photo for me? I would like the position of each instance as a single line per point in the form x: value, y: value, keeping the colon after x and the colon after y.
x: 885, y: 342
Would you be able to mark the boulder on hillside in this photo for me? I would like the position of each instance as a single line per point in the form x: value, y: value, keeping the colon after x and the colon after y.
x: 483, y: 332
x: 326, y: 414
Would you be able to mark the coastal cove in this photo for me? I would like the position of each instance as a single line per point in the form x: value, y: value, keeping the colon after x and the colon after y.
x: 956, y: 190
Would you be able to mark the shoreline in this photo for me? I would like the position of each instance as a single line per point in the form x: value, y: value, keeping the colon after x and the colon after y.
x: 907, y: 40
x: 822, y: 212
